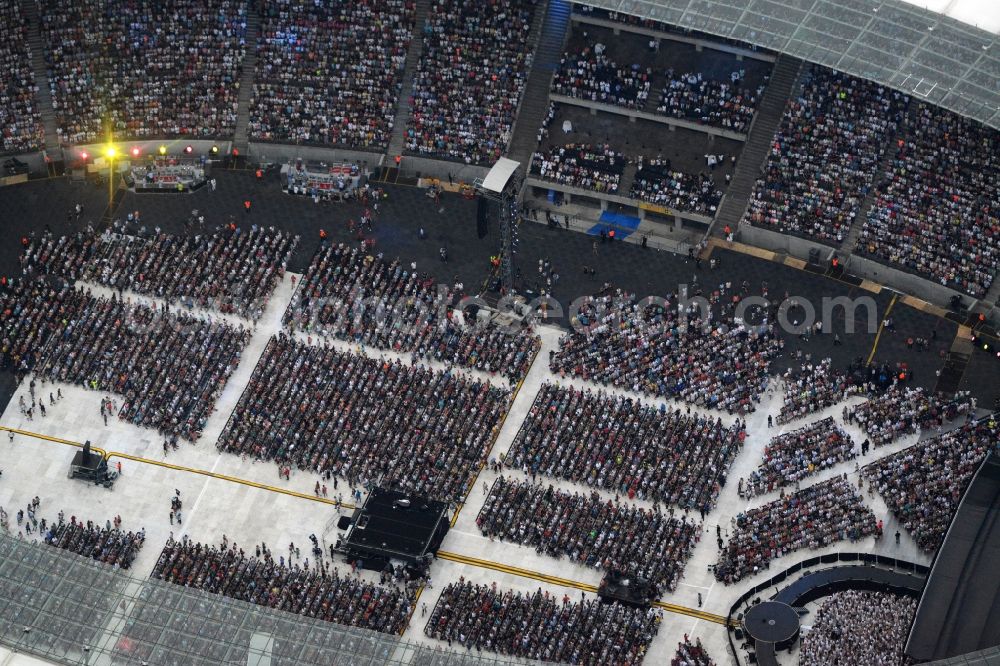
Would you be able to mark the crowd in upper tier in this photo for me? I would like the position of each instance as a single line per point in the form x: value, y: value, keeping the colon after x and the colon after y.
x: 330, y: 73
x: 855, y: 627
x: 469, y: 80
x: 20, y: 121
x: 233, y: 271
x: 902, y: 410
x: 813, y: 517
x: 365, y: 420
x: 923, y: 484
x: 590, y: 167
x: 163, y: 69
x: 623, y: 446
x: 350, y: 295
x: 936, y: 212
x: 825, y: 155
x: 589, y: 530
x: 540, y: 626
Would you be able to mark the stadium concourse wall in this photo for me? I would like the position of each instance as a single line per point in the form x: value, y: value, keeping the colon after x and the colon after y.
x: 856, y: 265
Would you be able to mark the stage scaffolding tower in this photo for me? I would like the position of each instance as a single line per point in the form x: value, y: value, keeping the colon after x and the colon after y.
x: 501, y: 193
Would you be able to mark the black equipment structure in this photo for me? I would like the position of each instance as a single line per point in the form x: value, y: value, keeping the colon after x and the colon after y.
x: 500, y: 190
x: 628, y: 590
x: 92, y: 467
x: 959, y: 611
x: 394, y: 525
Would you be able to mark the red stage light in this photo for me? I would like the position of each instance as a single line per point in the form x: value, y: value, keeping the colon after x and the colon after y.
x: 135, y: 152
x: 84, y: 155
x: 188, y: 149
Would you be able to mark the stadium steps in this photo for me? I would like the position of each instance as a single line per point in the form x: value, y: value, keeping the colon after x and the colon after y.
x: 951, y: 374
x: 405, y: 104
x: 241, y: 138
x: 883, y: 165
x: 29, y: 9
x: 993, y: 295
x: 535, y: 99
x: 628, y: 177
x: 782, y: 86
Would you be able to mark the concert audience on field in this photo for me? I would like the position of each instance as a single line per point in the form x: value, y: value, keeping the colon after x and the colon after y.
x: 318, y: 591
x: 233, y: 271
x: 348, y: 295
x: 469, y: 79
x: 330, y: 73
x: 792, y: 456
x: 812, y: 387
x: 164, y: 69
x: 902, y: 410
x: 540, y: 626
x: 724, y: 104
x: 813, y: 517
x: 689, y: 654
x: 650, y: 348
x: 589, y: 530
x: 620, y: 445
x: 168, y: 367
x: 109, y: 545
x: 855, y: 627
x: 923, y: 484
x: 365, y: 420
x: 656, y: 182
x: 20, y: 121
x: 936, y: 211
x: 825, y: 155
x: 582, y: 165
x: 593, y: 76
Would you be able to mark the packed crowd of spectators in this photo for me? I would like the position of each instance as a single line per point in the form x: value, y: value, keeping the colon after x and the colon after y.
x: 621, y: 341
x: 348, y: 295
x: 330, y: 73
x: 365, y: 420
x: 233, y: 271
x: 164, y: 69
x: 319, y: 592
x: 589, y: 530
x: 812, y: 387
x: 109, y: 545
x: 813, y: 517
x: 658, y: 183
x: 623, y: 446
x: 470, y: 77
x: 923, y: 484
x: 724, y: 104
x: 825, y: 155
x: 583, y: 165
x: 539, y: 626
x: 169, y: 367
x: 591, y: 75
x: 20, y: 121
x: 691, y: 654
x: 792, y: 456
x: 855, y: 627
x: 902, y: 410
x: 936, y: 210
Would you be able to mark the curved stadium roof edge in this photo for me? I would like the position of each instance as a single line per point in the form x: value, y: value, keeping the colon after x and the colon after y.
x: 932, y: 52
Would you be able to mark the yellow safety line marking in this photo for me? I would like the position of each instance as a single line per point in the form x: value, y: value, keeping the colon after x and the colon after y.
x: 181, y: 468
x: 564, y: 582
x: 881, y: 325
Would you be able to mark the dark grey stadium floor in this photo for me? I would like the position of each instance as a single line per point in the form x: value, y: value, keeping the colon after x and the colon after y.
x: 452, y: 224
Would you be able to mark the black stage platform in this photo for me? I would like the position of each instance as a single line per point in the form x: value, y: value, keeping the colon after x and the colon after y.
x: 395, y: 525
x: 959, y: 611
x: 772, y: 622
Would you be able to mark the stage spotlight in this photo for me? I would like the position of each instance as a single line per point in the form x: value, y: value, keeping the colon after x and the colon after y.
x: 135, y: 152
x: 236, y: 152
x: 110, y: 152
x: 215, y: 150
x: 84, y: 156
x: 163, y: 150
x: 188, y: 150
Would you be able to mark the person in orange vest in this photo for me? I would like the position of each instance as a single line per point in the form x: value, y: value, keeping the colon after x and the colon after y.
x: 260, y: 174
x: 398, y: 158
x: 322, y: 234
x: 611, y: 234
x: 246, y: 206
